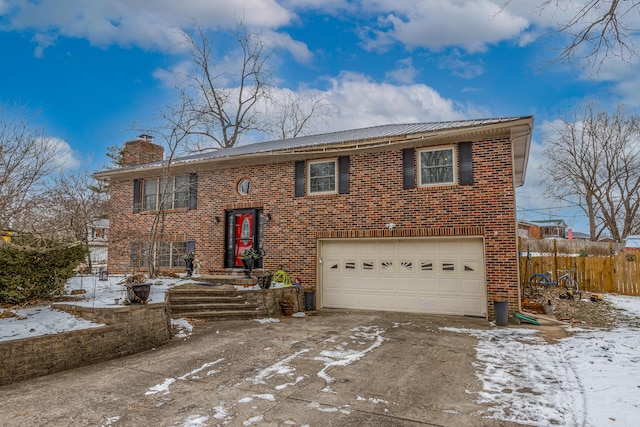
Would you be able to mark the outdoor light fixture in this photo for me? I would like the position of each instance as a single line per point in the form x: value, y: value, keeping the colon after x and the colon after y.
x: 217, y: 219
x: 268, y: 217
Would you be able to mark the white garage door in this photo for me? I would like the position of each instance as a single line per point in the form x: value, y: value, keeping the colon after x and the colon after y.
x: 444, y: 276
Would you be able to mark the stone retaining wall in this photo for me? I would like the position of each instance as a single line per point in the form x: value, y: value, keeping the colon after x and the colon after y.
x: 128, y: 330
x: 271, y: 297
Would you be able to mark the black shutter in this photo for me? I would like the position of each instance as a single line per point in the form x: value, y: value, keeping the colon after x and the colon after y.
x: 408, y: 168
x: 465, y: 176
x: 343, y: 175
x: 193, y: 191
x: 299, y: 179
x: 136, y: 195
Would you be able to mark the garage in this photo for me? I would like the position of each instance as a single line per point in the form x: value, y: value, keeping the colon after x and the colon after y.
x: 415, y: 275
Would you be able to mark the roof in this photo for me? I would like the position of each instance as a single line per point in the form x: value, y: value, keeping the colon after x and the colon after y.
x: 520, y: 131
x: 632, y: 241
x: 549, y: 223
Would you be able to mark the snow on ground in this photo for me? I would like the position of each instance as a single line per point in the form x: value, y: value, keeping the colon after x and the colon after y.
x: 591, y: 378
x: 35, y: 321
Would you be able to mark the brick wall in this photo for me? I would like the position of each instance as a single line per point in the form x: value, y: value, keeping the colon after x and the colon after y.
x: 486, y: 209
x: 130, y: 329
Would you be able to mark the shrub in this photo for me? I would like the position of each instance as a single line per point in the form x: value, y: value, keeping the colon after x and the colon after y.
x: 36, y: 272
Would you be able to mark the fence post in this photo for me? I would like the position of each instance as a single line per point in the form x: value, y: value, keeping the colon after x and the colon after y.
x: 555, y: 261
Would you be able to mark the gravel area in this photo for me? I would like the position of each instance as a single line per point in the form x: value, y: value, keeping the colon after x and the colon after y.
x: 585, y: 312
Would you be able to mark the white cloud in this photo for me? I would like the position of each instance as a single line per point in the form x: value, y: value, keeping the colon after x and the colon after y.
x: 405, y: 72
x: 43, y: 41
x: 435, y: 24
x: 297, y: 49
x: 144, y: 23
x: 64, y: 157
x: 363, y: 102
x: 461, y: 67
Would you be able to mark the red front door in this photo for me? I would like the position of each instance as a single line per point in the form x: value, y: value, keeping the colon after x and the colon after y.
x: 243, y: 234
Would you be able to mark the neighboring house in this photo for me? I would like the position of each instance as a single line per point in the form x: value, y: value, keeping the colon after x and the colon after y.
x: 632, y: 243
x: 98, y: 243
x: 411, y: 217
x: 550, y: 228
x: 528, y: 230
x: 578, y: 235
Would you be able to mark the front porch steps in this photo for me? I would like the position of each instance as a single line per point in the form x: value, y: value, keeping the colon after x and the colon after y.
x: 214, y: 302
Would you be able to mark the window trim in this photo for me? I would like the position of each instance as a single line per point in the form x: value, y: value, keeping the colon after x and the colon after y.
x: 454, y: 165
x: 336, y: 174
x: 157, y: 195
x: 239, y: 186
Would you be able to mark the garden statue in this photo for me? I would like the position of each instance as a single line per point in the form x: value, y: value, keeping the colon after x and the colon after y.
x: 196, y: 266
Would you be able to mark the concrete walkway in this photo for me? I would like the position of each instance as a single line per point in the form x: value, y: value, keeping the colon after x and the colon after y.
x: 334, y: 368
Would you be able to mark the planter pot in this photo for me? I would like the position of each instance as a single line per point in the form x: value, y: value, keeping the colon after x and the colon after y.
x: 139, y: 292
x: 287, y: 309
x: 247, y: 266
x: 265, y: 281
x: 548, y: 308
x: 189, y: 267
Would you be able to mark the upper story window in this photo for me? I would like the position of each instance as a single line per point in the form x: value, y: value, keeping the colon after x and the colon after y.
x: 323, y: 177
x: 437, y: 166
x: 168, y: 193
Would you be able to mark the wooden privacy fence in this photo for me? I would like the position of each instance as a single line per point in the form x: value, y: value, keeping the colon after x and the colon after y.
x: 618, y: 272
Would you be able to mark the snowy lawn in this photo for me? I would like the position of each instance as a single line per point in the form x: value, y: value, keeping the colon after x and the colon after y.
x: 591, y: 378
x: 35, y: 321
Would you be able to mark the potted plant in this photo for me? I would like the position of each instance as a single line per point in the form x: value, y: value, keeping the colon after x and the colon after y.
x: 249, y: 258
x: 138, y: 288
x: 188, y: 259
x: 286, y: 304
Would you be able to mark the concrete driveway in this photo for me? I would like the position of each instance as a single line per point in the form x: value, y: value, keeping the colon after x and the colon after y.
x: 333, y: 368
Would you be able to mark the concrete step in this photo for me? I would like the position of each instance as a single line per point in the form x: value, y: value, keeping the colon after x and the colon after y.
x: 181, y: 299
x: 223, y: 315
x: 212, y: 303
x: 189, y: 308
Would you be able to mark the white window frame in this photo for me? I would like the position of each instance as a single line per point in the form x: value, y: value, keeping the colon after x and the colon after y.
x: 454, y: 165
x: 335, y: 176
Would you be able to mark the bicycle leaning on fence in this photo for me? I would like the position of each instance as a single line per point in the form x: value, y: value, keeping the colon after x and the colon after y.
x: 540, y: 281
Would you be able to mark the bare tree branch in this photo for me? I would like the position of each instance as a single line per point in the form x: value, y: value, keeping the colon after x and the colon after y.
x: 593, y: 161
x: 26, y: 159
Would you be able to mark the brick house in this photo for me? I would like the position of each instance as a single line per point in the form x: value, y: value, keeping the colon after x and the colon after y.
x: 412, y: 217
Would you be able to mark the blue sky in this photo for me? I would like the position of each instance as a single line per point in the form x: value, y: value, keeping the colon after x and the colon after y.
x: 97, y: 69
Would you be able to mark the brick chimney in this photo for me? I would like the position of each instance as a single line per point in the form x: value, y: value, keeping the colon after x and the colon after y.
x: 142, y: 151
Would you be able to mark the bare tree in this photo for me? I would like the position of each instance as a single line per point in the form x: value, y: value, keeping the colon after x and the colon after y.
x: 227, y: 98
x: 26, y: 159
x: 593, y: 161
x: 173, y: 132
x: 596, y: 29
x: 76, y: 200
x: 296, y: 113
x: 220, y: 103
